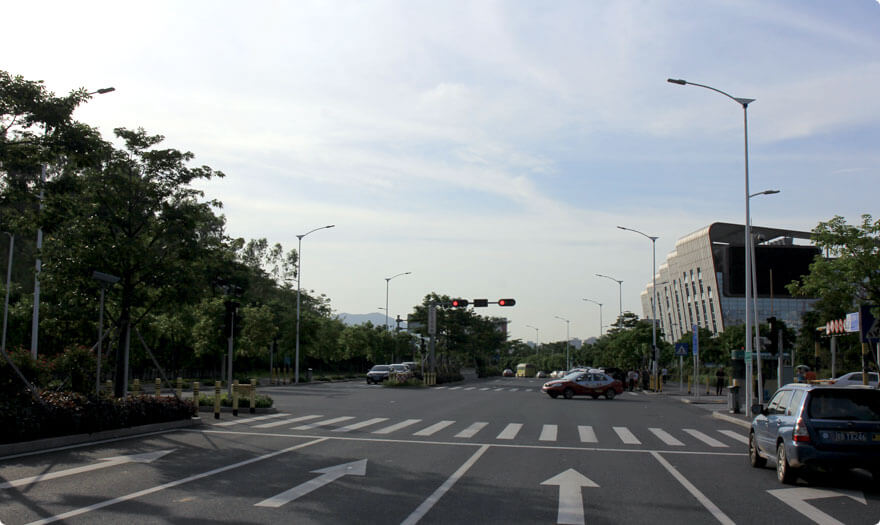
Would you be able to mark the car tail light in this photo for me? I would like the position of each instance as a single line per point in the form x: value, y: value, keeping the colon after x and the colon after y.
x: 800, y: 433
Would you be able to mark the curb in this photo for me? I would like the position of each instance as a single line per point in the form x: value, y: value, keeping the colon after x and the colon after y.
x: 245, y: 410
x: 48, y: 444
x: 731, y: 419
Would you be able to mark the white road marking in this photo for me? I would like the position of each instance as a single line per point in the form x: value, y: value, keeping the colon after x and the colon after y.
x: 454, y: 388
x: 797, y: 498
x: 510, y: 431
x: 735, y: 435
x: 548, y: 433
x: 328, y: 475
x: 499, y: 389
x: 433, y: 429
x: 287, y: 421
x: 152, y: 490
x: 571, y: 501
x: 712, y: 442
x: 397, y: 426
x: 102, y: 463
x: 484, y: 388
x: 324, y: 423
x: 626, y: 436
x: 695, y: 492
x: 666, y: 437
x: 587, y: 434
x: 250, y: 419
x: 472, y: 430
x: 471, y: 388
x: 432, y: 500
x: 514, y: 389
x: 361, y: 424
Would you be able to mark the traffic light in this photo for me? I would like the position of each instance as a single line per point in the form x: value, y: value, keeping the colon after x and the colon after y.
x: 481, y: 303
x: 506, y: 302
x: 459, y: 303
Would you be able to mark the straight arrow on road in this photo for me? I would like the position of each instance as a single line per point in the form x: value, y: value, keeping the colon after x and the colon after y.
x: 328, y: 475
x: 571, y: 502
x: 148, y: 457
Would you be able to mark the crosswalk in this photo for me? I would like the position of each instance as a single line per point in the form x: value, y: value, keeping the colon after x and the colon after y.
x: 680, y: 438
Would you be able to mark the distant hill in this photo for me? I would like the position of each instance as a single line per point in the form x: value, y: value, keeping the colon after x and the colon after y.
x: 377, y: 319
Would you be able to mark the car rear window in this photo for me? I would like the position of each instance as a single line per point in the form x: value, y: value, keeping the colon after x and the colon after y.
x: 850, y: 404
x: 380, y: 368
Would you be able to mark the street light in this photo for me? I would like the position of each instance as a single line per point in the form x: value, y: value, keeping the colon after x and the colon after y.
x: 620, y: 287
x: 388, y: 280
x: 755, y: 301
x: 744, y: 102
x: 537, y: 338
x: 653, y: 297
x: 105, y: 279
x: 298, y: 276
x: 567, y: 343
x: 600, y: 314
x: 39, y: 263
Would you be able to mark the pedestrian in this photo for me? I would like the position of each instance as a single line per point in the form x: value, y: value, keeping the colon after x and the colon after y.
x: 719, y: 381
x: 633, y: 377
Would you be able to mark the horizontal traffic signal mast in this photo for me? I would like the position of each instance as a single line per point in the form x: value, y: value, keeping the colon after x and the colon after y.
x: 481, y: 303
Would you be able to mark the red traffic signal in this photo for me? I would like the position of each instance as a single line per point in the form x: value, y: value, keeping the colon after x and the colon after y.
x: 459, y: 303
x: 506, y: 302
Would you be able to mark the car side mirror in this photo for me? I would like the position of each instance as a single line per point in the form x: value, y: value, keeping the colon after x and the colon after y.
x: 758, y: 408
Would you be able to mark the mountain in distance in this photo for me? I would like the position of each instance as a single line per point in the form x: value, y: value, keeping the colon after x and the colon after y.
x: 378, y: 319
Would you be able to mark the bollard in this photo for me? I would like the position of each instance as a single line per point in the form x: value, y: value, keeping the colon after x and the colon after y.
x: 707, y: 385
x: 179, y: 387
x: 196, y: 393
x: 271, y: 376
x: 136, y: 387
x: 235, y: 397
x: 253, y: 396
x: 216, y: 399
x: 158, y: 384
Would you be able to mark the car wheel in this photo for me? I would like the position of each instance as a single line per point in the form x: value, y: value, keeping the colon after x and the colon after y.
x: 754, y: 457
x: 554, y: 395
x: 609, y: 394
x: 568, y: 393
x: 369, y: 381
x: 784, y: 472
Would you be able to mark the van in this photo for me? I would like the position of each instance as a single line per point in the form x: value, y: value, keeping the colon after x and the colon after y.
x: 525, y: 370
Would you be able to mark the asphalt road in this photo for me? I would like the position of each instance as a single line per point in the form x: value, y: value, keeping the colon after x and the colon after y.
x: 480, y: 451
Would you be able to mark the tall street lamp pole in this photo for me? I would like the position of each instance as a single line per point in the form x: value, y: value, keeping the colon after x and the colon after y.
x: 388, y: 280
x: 755, y: 302
x: 39, y: 263
x: 744, y: 102
x: 653, y: 297
x: 600, y: 314
x: 567, y: 343
x: 620, y: 292
x: 298, y: 276
x: 537, y: 338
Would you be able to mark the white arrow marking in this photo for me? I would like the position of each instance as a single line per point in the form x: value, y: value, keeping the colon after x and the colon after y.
x: 330, y: 474
x: 796, y: 498
x: 103, y: 463
x: 571, y: 502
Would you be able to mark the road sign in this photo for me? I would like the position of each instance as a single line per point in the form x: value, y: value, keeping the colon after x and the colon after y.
x: 681, y: 349
x: 869, y: 325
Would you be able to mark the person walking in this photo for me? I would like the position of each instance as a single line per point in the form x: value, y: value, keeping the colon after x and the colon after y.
x: 719, y: 381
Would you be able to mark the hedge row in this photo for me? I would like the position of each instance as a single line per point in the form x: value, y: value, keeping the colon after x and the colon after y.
x: 67, y: 413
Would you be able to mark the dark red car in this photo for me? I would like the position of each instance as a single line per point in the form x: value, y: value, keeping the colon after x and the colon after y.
x: 593, y: 384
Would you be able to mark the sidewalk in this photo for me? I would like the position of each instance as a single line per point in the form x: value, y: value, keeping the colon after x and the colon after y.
x: 718, y: 405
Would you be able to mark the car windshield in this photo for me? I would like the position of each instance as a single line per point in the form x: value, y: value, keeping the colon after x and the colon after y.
x: 380, y: 368
x: 847, y: 404
x: 572, y: 376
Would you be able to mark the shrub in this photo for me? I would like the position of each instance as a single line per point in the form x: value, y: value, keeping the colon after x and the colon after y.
x: 76, y: 368
x: 397, y: 382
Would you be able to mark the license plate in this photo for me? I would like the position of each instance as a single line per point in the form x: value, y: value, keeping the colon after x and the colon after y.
x: 849, y: 436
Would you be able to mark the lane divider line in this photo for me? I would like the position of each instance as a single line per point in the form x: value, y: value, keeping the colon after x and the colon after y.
x: 695, y: 492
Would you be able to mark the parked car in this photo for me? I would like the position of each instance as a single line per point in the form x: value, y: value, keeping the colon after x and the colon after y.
x: 541, y: 374
x: 817, y: 427
x: 507, y: 372
x: 592, y: 384
x: 855, y: 378
x: 400, y: 372
x: 378, y: 373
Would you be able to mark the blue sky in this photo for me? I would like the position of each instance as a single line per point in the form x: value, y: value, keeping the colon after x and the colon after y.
x: 490, y: 148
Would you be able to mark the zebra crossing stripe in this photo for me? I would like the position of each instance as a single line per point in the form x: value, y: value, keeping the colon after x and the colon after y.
x: 484, y: 389
x: 362, y: 424
x: 454, y: 388
x: 548, y: 433
x: 287, y: 421
x: 712, y: 442
x: 736, y: 436
x: 510, y: 431
x: 324, y: 423
x: 397, y: 426
x: 499, y: 389
x: 626, y: 436
x: 471, y: 388
x: 514, y: 389
x: 666, y: 437
x: 433, y: 429
x: 587, y: 434
x: 472, y: 430
x: 250, y: 419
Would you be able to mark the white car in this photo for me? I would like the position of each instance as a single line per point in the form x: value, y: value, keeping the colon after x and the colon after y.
x: 855, y: 378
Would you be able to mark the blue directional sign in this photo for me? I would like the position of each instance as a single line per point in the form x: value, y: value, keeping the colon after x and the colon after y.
x: 696, y: 333
x: 681, y: 349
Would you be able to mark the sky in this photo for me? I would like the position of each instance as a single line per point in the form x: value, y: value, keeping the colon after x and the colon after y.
x: 489, y: 148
